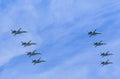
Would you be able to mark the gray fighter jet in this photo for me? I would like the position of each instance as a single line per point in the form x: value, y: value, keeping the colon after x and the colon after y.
x: 27, y: 43
x: 37, y: 61
x: 106, y: 62
x: 104, y: 54
x: 19, y: 31
x: 99, y: 43
x: 32, y: 53
x: 93, y: 33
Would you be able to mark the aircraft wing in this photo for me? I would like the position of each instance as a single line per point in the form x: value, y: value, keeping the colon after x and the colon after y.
x: 19, y: 29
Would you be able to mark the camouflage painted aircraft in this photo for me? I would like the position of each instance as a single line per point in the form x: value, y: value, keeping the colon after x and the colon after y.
x: 104, y: 54
x: 93, y: 33
x: 99, y: 43
x: 106, y: 62
x: 33, y: 53
x: 37, y: 61
x: 27, y: 43
x: 19, y: 31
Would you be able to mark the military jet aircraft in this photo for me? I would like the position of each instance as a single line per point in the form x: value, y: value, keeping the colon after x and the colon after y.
x: 106, y: 62
x: 104, y: 54
x: 19, y: 31
x: 38, y: 61
x: 99, y: 43
x: 27, y: 43
x: 32, y: 53
x: 93, y: 33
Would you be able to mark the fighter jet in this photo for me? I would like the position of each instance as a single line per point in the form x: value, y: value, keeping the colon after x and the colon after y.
x: 19, y: 31
x: 99, y: 43
x: 106, y: 62
x: 37, y: 61
x: 32, y: 53
x: 27, y: 43
x: 93, y: 33
x: 104, y: 54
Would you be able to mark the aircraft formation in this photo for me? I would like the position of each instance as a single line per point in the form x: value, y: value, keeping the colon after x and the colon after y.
x: 101, y: 43
x: 26, y: 44
x: 39, y: 60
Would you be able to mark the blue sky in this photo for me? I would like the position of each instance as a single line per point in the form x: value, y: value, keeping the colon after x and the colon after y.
x: 59, y: 27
